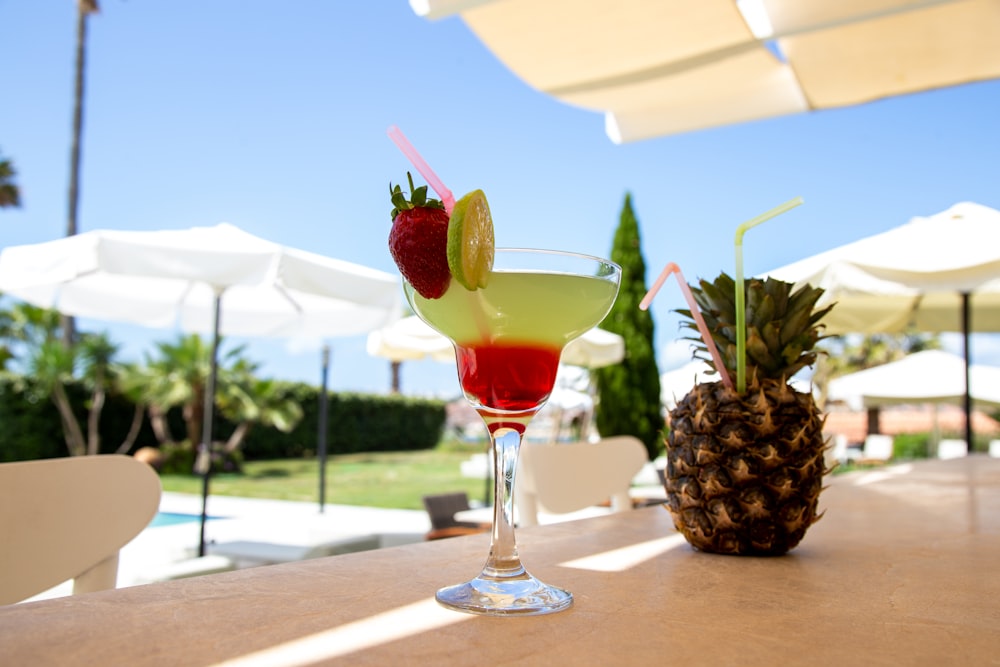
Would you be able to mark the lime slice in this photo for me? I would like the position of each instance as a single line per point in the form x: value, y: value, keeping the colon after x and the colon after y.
x: 470, y: 241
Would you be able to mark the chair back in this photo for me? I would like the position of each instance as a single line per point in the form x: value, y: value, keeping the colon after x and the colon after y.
x: 441, y: 509
x: 952, y: 449
x: 562, y: 478
x: 878, y: 447
x: 68, y: 518
x: 837, y: 451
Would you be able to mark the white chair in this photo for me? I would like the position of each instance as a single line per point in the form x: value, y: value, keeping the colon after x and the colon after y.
x: 563, y: 478
x: 952, y: 449
x: 836, y: 452
x: 995, y: 448
x: 877, y: 447
x: 68, y: 518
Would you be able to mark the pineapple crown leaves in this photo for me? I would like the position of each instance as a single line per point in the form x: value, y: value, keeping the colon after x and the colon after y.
x: 418, y: 198
x: 783, y: 326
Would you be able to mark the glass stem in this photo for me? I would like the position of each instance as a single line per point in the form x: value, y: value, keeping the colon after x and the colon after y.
x: 503, y: 561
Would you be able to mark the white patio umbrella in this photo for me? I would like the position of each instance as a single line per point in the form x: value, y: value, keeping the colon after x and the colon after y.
x: 676, y: 383
x: 204, y: 279
x: 657, y: 67
x: 934, y: 274
x: 930, y: 376
x: 409, y: 339
x: 596, y: 348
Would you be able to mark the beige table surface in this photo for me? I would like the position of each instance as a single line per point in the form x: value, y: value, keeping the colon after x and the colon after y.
x: 904, y: 569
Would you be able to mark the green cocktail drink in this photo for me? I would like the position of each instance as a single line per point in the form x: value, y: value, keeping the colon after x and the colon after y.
x: 508, y: 337
x: 519, y: 307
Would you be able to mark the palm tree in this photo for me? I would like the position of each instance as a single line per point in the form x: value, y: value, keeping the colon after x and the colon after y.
x: 258, y: 401
x: 90, y: 362
x: 52, y: 366
x: 142, y: 385
x: 24, y: 328
x: 84, y: 8
x: 179, y: 378
x: 10, y: 194
x: 96, y: 353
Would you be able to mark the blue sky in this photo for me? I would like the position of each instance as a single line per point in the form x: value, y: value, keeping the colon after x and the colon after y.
x: 272, y: 116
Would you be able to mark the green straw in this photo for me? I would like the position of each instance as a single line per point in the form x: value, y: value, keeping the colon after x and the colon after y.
x: 741, y: 315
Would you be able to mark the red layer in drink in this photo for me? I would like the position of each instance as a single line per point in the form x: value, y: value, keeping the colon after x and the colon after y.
x: 508, y: 377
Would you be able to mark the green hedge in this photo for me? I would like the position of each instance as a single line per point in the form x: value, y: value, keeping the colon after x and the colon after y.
x: 907, y: 446
x: 29, y: 426
x: 356, y: 423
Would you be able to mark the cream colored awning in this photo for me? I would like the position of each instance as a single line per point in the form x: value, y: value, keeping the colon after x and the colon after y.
x: 657, y: 67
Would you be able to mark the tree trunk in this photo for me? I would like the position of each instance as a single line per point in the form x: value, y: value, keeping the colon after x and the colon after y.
x: 161, y: 429
x: 94, y: 419
x: 71, y: 428
x: 83, y: 10
x: 194, y: 417
x: 133, y: 430
x: 395, y: 366
x: 236, y: 439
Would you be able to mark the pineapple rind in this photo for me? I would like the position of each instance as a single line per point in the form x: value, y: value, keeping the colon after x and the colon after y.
x: 744, y: 472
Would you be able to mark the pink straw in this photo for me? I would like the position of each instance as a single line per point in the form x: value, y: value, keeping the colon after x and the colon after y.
x: 410, y: 152
x: 695, y: 313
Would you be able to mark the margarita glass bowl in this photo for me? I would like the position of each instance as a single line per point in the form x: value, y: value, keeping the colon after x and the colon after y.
x: 508, y: 337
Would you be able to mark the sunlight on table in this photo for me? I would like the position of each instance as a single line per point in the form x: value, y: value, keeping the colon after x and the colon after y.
x: 368, y: 632
x: 618, y: 560
x: 422, y: 616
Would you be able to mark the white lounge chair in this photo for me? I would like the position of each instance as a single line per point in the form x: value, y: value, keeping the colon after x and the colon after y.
x: 252, y: 553
x: 185, y: 569
x: 68, y: 518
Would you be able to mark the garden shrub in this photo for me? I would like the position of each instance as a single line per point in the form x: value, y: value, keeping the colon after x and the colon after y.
x: 907, y: 446
x: 356, y: 423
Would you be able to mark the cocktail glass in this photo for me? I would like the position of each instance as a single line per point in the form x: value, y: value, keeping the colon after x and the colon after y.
x: 508, y: 338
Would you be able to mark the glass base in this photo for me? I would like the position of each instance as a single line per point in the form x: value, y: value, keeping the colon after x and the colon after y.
x: 522, y: 595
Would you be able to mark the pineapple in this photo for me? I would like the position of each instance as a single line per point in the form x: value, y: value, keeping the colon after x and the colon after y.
x: 745, y: 470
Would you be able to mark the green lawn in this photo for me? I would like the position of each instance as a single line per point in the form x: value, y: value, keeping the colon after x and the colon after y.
x: 386, y: 479
x: 390, y: 479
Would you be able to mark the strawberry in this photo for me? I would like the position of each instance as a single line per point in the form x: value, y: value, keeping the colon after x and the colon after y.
x: 418, y: 240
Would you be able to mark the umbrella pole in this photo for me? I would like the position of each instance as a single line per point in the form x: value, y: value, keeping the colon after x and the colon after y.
x: 966, y: 317
x: 203, y: 464
x: 321, y: 436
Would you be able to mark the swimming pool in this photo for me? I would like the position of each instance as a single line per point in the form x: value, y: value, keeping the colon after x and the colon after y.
x: 174, y: 518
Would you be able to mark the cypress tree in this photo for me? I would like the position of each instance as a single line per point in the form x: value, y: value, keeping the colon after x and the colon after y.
x: 630, y: 391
